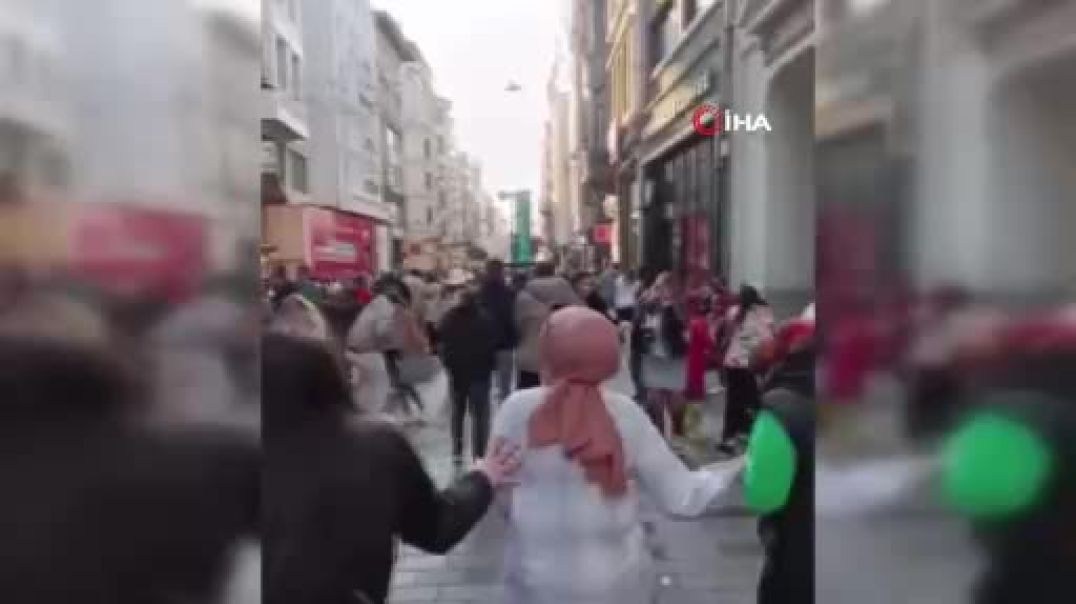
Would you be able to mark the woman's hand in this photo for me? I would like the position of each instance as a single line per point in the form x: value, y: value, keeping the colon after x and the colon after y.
x: 501, y: 462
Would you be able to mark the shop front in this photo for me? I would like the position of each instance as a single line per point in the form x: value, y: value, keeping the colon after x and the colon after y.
x: 685, y: 193
x: 332, y: 243
x: 680, y: 169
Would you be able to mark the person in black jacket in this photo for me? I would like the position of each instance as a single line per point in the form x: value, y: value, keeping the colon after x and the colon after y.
x: 340, y: 489
x: 101, y: 509
x: 469, y: 346
x: 499, y: 301
x: 787, y: 534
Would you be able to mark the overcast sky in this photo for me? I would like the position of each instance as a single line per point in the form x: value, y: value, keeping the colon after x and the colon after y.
x: 474, y: 48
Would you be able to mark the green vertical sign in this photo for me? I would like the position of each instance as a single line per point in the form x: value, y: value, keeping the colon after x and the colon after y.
x: 521, y: 247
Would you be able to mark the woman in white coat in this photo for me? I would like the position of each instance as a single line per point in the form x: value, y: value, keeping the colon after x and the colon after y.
x: 574, y: 529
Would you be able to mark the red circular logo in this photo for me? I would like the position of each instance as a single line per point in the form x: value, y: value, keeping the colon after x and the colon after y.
x: 707, y: 119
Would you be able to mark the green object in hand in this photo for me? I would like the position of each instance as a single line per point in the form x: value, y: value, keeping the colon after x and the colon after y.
x: 995, y: 466
x: 770, y: 465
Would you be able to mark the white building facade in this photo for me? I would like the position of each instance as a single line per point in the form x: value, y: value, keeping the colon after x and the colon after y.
x: 772, y: 204
x: 284, y: 113
x: 341, y: 94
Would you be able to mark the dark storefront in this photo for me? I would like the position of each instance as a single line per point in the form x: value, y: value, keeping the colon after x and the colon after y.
x: 684, y: 216
x: 682, y: 209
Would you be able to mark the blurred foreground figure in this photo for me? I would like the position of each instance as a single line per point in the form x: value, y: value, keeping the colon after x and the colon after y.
x: 1010, y: 466
x: 341, y: 489
x: 96, y: 507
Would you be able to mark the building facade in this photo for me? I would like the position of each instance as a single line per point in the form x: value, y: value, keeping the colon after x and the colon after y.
x: 422, y: 110
x: 559, y: 206
x: 283, y: 106
x: 590, y: 106
x: 35, y: 126
x: 340, y: 85
x: 773, y: 208
x: 683, y: 211
x: 989, y: 213
x: 627, y: 88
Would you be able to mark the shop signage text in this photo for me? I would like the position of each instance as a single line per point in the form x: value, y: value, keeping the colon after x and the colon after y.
x: 679, y: 101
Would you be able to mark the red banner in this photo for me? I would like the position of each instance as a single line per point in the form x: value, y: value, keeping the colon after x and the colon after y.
x: 603, y: 233
x: 139, y: 248
x: 696, y: 230
x: 339, y: 245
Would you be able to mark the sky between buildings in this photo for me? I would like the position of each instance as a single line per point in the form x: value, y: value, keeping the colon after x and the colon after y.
x: 474, y: 48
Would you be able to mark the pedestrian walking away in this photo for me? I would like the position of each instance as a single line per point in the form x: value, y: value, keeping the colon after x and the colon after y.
x: 468, y: 352
x: 538, y: 299
x: 588, y: 456
x: 499, y: 301
x: 340, y: 489
x: 606, y: 284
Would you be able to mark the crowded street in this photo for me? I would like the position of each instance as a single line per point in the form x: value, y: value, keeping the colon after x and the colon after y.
x: 713, y: 559
x: 537, y: 302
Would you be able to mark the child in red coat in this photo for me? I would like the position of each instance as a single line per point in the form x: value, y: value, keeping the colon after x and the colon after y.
x: 700, y: 347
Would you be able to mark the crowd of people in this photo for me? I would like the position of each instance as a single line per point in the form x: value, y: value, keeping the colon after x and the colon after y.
x: 542, y: 345
x: 685, y: 337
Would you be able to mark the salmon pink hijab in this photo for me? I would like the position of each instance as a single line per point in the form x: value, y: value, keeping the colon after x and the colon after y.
x: 579, y: 349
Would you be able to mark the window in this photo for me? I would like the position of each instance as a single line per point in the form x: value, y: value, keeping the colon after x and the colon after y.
x: 442, y: 202
x: 371, y: 187
x: 281, y: 63
x: 297, y: 171
x: 426, y: 148
x: 664, y: 32
x: 392, y: 156
x: 429, y: 181
x: 429, y: 216
x: 296, y: 76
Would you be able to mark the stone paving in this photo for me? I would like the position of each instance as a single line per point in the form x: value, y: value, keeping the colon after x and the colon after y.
x: 716, y: 559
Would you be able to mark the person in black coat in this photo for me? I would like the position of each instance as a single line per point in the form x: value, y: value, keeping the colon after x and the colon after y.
x: 787, y: 534
x: 340, y: 489
x: 469, y: 345
x: 100, y: 509
x: 499, y: 300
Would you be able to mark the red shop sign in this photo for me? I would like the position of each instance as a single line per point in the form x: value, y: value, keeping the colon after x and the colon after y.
x: 603, y: 233
x: 140, y: 249
x: 339, y: 246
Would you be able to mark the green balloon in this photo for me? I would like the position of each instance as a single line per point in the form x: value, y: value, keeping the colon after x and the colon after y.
x: 770, y: 465
x: 994, y: 466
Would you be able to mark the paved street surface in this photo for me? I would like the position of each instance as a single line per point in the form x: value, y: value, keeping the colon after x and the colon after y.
x: 711, y: 560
